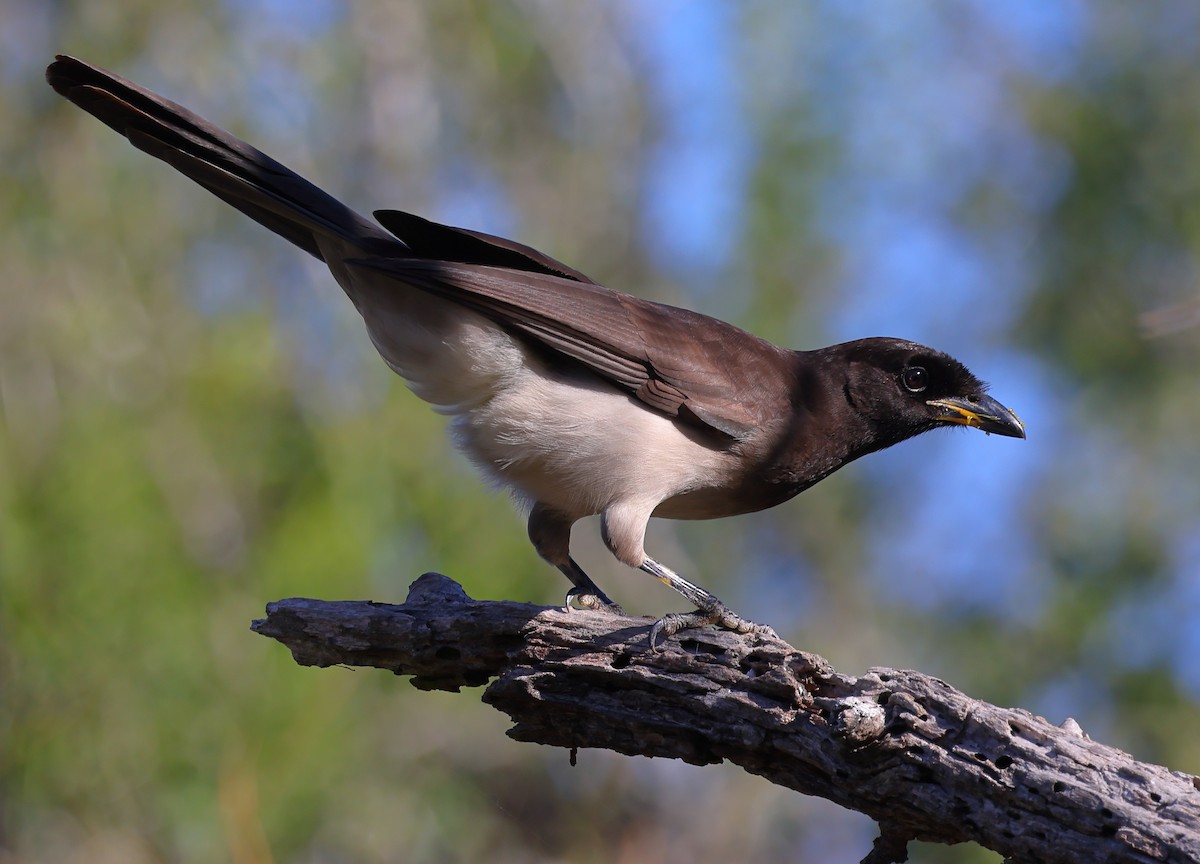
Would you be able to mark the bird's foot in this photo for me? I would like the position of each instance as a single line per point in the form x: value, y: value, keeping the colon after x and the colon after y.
x: 592, y: 600
x: 719, y: 614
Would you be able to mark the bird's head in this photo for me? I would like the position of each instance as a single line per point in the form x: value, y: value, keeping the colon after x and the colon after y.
x: 903, y: 389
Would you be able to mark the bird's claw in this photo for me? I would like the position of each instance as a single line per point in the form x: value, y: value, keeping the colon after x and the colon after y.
x: 591, y: 601
x: 720, y: 615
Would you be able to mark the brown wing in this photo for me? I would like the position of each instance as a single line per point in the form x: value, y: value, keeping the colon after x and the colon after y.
x: 684, y: 364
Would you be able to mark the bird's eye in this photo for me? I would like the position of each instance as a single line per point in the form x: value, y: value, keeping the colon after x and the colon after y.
x: 915, y: 378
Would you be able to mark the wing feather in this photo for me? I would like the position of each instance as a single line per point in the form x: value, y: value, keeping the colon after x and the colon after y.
x: 684, y: 364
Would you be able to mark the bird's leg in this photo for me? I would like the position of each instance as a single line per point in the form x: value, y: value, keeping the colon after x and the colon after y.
x: 550, y: 533
x: 623, y: 527
x: 709, y: 609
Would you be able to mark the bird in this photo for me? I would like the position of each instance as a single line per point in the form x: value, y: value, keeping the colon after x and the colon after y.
x: 579, y: 399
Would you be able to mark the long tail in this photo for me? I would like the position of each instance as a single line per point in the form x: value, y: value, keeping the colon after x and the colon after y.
x: 271, y: 194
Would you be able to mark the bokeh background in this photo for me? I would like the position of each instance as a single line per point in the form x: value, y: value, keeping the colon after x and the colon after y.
x: 194, y: 424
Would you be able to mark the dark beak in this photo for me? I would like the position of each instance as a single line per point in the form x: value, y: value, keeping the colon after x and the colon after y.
x: 982, y: 412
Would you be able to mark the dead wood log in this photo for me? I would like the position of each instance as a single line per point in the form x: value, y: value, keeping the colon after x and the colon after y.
x: 924, y: 760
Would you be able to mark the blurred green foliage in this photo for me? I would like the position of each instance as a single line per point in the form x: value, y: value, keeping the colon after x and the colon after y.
x: 193, y: 424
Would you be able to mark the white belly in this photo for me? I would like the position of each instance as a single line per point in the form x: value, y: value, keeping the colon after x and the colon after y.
x: 578, y: 445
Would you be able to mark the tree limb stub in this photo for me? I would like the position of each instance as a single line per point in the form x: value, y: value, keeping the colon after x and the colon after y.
x: 924, y: 760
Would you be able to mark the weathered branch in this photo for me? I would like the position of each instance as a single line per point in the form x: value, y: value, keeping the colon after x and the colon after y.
x: 924, y: 760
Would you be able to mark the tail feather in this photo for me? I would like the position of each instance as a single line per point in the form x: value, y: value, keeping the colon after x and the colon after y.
x: 244, y: 177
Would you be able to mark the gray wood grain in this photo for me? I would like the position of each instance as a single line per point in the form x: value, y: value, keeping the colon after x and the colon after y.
x: 924, y: 760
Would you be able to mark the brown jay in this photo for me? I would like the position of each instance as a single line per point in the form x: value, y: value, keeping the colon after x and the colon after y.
x: 579, y: 399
